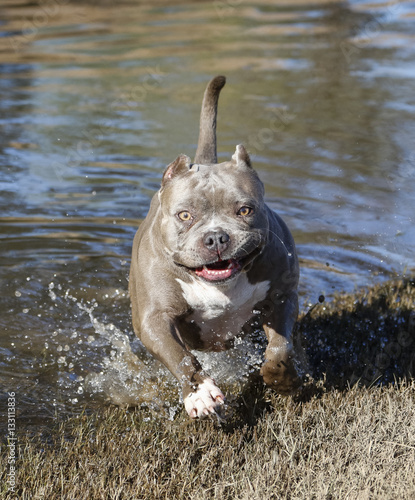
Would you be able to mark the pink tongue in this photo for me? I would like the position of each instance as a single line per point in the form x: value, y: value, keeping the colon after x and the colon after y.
x: 213, y: 274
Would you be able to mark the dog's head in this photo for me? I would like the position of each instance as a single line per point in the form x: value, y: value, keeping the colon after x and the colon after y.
x: 213, y: 216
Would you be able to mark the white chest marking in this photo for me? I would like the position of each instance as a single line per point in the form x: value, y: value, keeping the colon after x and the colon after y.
x: 222, y: 311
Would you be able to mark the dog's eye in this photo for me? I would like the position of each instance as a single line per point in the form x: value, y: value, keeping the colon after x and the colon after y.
x: 245, y: 211
x: 184, y: 216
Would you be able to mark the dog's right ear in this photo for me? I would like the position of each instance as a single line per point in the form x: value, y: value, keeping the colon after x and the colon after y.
x: 241, y: 156
x: 180, y: 165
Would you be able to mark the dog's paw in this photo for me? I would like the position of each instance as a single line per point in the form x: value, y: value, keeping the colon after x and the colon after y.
x: 205, y: 400
x: 281, y: 376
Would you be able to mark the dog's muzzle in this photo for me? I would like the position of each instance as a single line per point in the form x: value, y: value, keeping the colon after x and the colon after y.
x: 220, y: 261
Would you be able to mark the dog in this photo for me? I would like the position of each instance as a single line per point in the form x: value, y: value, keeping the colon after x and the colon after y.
x: 209, y: 256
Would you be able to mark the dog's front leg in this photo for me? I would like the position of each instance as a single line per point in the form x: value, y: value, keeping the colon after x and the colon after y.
x: 162, y: 338
x: 279, y: 370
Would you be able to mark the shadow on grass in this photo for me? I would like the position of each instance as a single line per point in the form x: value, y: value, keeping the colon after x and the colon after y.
x: 367, y: 338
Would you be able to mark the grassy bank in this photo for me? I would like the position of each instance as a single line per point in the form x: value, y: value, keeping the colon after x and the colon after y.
x: 350, y: 434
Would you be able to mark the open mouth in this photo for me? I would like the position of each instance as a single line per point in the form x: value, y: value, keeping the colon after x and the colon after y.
x: 220, y: 270
x: 223, y: 269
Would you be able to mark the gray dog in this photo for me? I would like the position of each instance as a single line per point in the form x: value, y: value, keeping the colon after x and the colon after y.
x: 208, y: 258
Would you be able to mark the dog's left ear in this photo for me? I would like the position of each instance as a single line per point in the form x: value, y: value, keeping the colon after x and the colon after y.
x: 241, y: 156
x: 180, y: 165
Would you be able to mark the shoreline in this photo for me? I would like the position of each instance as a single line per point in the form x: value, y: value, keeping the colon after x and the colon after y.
x: 350, y: 432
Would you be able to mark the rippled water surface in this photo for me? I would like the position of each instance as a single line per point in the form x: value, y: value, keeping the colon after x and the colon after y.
x: 96, y: 98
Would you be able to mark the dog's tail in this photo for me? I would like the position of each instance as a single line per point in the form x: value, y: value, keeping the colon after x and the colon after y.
x: 206, y: 147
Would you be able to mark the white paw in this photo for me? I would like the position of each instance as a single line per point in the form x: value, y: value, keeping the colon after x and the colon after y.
x: 205, y: 400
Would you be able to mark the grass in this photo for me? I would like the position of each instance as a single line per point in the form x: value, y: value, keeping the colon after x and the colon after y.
x: 350, y: 434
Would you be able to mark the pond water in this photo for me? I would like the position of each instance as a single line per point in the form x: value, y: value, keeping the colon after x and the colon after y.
x: 98, y: 97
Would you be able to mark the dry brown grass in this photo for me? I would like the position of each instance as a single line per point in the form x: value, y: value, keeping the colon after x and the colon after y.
x: 330, y: 442
x: 353, y: 444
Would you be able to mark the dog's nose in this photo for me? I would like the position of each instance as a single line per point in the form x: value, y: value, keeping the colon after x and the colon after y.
x: 216, y: 240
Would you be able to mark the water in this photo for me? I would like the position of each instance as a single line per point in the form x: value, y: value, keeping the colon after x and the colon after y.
x: 97, y: 98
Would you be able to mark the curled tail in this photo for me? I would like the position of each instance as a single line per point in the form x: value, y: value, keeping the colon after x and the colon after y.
x: 206, y: 147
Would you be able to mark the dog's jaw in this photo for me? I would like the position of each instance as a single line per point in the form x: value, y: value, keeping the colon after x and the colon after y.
x: 223, y: 271
x: 220, y: 270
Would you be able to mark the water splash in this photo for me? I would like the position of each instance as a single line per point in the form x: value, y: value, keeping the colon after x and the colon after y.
x: 128, y: 379
x: 90, y: 354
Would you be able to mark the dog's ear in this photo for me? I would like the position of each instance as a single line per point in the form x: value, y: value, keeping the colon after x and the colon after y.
x: 241, y: 156
x: 180, y: 165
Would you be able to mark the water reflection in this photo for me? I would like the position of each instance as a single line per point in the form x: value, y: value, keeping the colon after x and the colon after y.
x: 97, y: 98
